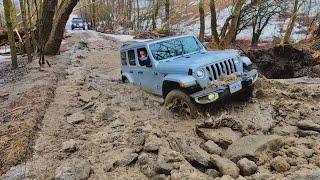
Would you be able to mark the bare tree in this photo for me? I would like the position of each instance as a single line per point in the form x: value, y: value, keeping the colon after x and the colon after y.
x: 26, y: 30
x: 228, y: 31
x: 286, y: 39
x: 257, y: 14
x: 61, y: 17
x: 155, y: 13
x: 167, y: 14
x: 7, y: 4
x: 202, y: 21
x: 45, y: 24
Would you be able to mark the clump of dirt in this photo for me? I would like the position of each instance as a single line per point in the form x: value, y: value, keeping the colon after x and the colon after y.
x: 284, y: 62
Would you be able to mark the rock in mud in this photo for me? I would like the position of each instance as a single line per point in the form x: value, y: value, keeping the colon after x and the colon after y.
x: 76, y: 169
x: 285, y: 130
x: 186, y: 171
x: 222, y: 136
x: 127, y: 159
x: 247, y: 167
x: 225, y: 166
x: 252, y: 146
x: 193, y: 153
x: 3, y: 94
x: 211, y: 147
x: 148, y: 165
x: 76, y: 118
x: 308, y: 125
x: 17, y: 172
x: 213, y: 173
x: 87, y: 96
x: 159, y: 177
x: 305, y: 133
x: 152, y: 143
x: 168, y: 160
x: 69, y: 146
x: 280, y: 164
x: 313, y: 175
x: 316, y: 69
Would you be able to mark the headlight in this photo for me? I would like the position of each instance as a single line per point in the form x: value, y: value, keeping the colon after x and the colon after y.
x: 200, y: 73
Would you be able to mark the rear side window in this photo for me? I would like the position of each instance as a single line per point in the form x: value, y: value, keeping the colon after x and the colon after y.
x: 124, y: 59
x: 131, y: 57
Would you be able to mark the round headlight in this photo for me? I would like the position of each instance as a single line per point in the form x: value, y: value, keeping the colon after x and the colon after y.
x: 200, y: 73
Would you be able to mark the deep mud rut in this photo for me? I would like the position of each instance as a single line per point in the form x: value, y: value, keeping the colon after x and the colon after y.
x: 97, y: 127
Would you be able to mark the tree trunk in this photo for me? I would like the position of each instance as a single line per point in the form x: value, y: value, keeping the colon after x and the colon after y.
x: 167, y: 14
x: 129, y: 13
x: 255, y: 38
x: 155, y: 13
x: 53, y: 44
x: 215, y: 36
x: 94, y: 17
x: 7, y: 4
x: 234, y: 24
x: 202, y: 21
x: 46, y: 23
x: 287, y: 35
x: 138, y: 16
x: 26, y: 30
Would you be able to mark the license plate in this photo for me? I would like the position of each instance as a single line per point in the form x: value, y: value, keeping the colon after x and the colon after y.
x: 237, y: 86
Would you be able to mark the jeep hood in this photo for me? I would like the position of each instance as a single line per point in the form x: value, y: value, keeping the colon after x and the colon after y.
x: 193, y: 61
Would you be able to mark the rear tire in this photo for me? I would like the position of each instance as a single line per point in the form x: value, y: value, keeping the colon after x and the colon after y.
x: 179, y: 103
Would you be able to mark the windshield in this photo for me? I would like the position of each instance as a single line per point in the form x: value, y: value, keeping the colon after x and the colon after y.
x: 77, y: 20
x: 174, y: 47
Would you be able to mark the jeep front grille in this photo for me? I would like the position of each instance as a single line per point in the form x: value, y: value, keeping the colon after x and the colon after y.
x: 225, y: 67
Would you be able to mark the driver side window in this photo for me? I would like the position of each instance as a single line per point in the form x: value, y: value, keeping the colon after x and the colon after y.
x: 143, y: 57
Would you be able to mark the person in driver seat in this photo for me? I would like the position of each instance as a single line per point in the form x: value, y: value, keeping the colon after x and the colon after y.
x: 144, y: 59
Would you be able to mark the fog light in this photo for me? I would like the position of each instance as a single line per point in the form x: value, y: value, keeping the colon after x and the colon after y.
x: 213, y: 96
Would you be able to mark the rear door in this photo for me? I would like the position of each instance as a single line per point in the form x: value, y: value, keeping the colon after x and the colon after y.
x: 133, y: 68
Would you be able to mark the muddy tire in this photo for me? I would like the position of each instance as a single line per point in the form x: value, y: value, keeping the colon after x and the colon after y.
x: 179, y: 103
x: 246, y: 94
x: 124, y: 79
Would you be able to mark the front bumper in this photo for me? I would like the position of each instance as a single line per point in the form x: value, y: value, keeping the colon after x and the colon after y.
x: 210, y: 95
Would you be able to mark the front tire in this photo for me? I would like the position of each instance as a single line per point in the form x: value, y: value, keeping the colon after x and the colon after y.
x: 246, y: 94
x: 179, y: 103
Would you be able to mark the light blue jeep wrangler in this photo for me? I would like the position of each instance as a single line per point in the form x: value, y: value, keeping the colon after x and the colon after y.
x: 185, y: 74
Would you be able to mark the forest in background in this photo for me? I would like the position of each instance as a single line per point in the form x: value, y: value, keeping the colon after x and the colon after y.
x: 42, y: 22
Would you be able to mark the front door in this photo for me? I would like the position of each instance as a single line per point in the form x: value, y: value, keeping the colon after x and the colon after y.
x: 149, y: 79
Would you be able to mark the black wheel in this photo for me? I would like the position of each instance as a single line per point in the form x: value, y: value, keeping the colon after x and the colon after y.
x: 84, y: 28
x: 246, y: 94
x: 124, y: 79
x: 180, y: 104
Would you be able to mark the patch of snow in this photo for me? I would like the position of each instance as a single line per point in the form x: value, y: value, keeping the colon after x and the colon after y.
x: 124, y: 38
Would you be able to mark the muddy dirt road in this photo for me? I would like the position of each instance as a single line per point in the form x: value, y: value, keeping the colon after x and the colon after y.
x: 97, y: 127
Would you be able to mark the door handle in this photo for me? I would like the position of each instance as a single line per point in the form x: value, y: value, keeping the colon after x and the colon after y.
x: 131, y: 72
x: 140, y: 72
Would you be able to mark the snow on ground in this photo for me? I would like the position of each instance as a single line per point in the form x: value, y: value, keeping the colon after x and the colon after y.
x: 273, y: 29
x: 124, y: 38
x: 5, y: 58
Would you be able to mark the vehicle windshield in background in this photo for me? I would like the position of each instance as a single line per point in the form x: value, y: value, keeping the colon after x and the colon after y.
x: 174, y: 47
x: 77, y: 21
